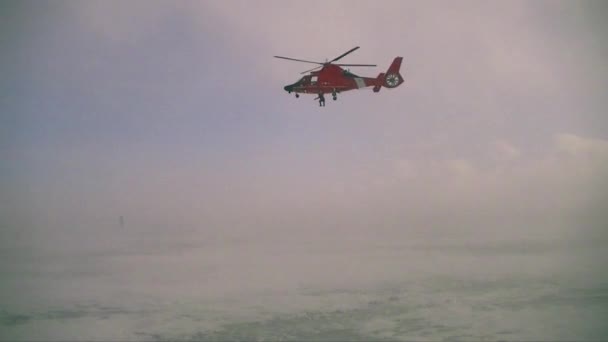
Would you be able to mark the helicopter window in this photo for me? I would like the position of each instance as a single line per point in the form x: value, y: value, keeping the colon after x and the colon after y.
x: 313, y: 80
x: 347, y: 73
x: 305, y: 80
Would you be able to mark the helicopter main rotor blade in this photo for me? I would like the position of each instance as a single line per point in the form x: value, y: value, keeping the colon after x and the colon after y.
x: 315, y: 68
x: 297, y: 60
x: 357, y: 65
x: 344, y: 54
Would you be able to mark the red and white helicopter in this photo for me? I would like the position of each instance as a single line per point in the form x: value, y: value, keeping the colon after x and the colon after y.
x: 333, y: 79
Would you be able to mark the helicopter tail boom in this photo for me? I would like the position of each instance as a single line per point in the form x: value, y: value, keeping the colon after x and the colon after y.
x: 379, y: 82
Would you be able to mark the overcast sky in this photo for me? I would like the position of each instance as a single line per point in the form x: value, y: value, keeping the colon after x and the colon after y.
x: 173, y: 113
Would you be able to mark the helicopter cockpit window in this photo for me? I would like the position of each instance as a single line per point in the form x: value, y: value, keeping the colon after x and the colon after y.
x: 302, y: 81
x: 313, y: 80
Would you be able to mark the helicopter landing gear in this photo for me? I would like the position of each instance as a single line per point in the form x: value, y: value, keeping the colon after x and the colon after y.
x: 334, y: 95
x: 297, y: 95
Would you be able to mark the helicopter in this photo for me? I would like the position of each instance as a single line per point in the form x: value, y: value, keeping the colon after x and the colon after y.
x: 332, y: 79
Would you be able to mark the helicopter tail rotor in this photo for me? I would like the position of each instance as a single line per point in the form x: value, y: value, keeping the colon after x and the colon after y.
x: 391, y: 78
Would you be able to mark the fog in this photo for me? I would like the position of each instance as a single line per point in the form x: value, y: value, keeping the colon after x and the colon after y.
x: 158, y: 184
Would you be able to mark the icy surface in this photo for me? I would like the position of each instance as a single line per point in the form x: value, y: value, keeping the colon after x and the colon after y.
x: 369, y: 285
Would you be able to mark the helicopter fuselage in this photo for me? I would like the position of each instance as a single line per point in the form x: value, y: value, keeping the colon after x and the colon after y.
x: 331, y: 79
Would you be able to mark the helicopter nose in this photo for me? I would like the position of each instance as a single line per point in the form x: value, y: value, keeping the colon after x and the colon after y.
x: 288, y: 88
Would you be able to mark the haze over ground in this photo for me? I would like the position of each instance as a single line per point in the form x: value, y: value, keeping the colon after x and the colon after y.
x: 487, y: 166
